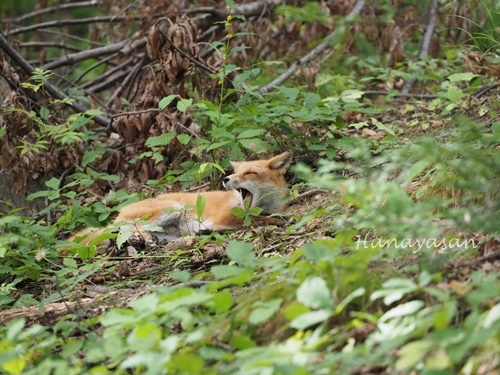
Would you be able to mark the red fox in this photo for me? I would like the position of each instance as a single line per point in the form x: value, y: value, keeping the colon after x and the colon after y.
x: 261, y: 182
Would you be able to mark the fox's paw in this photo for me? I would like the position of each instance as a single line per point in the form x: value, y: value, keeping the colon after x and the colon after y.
x: 142, y: 240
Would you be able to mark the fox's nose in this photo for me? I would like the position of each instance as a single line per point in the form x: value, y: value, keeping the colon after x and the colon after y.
x: 225, y: 180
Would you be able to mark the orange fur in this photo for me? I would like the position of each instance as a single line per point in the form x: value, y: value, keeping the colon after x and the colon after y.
x: 261, y: 181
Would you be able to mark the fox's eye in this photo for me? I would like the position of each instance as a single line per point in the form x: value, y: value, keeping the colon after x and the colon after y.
x: 247, y: 173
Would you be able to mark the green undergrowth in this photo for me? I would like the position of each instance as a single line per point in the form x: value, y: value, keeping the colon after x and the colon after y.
x: 390, y: 273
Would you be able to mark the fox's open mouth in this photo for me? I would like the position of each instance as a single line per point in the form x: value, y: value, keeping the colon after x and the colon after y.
x: 245, y: 194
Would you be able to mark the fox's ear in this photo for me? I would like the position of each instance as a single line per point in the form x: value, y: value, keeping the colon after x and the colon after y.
x: 281, y: 162
x: 235, y: 164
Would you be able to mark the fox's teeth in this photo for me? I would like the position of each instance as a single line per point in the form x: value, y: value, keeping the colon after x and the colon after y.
x: 246, y: 194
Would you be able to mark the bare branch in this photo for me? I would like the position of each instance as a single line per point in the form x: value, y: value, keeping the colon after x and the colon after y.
x: 69, y: 36
x: 51, y: 89
x: 93, y: 66
x: 126, y: 82
x: 208, y: 68
x: 59, y: 23
x: 49, y: 44
x: 54, y: 9
x: 103, y: 77
x: 84, y: 55
x: 251, y: 9
x: 426, y: 42
x: 311, y: 55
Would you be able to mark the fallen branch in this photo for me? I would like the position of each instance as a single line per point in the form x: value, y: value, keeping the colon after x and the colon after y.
x: 400, y: 94
x: 311, y: 55
x: 109, y: 73
x: 125, y: 83
x: 426, y: 42
x: 84, y: 55
x: 68, y: 22
x: 54, y: 9
x: 49, y: 88
x: 49, y: 44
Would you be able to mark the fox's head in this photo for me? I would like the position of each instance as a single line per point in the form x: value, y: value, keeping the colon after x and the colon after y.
x: 260, y: 181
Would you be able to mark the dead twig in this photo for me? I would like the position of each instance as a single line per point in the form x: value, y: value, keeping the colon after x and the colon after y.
x: 126, y: 82
x: 467, y: 263
x: 204, y: 67
x: 103, y: 77
x: 306, y: 194
x: 400, y: 94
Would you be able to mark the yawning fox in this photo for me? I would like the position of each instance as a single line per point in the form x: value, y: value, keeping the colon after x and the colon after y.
x: 261, y: 183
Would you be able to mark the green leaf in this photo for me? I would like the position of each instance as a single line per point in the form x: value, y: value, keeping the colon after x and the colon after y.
x: 123, y: 235
x: 164, y: 102
x: 250, y: 133
x: 186, y: 364
x: 93, y: 112
x: 454, y: 94
x: 241, y: 342
x: 225, y: 271
x: 200, y: 206
x: 180, y: 275
x: 295, y: 310
x: 264, y: 310
x: 44, y: 113
x: 410, y: 354
x: 457, y: 77
x: 220, y: 302
x: 242, y: 253
x: 160, y: 140
x: 492, y: 317
x: 311, y: 318
x: 403, y: 309
x: 14, y: 366
x: 184, y: 138
x: 383, y: 127
x: 184, y: 104
x: 314, y: 293
x: 357, y: 293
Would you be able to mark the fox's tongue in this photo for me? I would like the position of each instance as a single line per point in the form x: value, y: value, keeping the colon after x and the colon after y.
x: 245, y: 194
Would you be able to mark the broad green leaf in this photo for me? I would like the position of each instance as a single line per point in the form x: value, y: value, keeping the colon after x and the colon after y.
x: 93, y: 112
x: 381, y: 126
x: 184, y: 104
x: 160, y: 140
x: 314, y: 293
x: 225, y: 271
x: 220, y: 302
x: 403, y: 309
x: 241, y: 342
x: 184, y: 138
x: 454, y: 94
x: 164, y: 102
x: 250, y: 133
x: 264, y: 310
x: 355, y: 294
x: 457, y: 77
x: 413, y: 352
x: 14, y: 366
x: 310, y: 318
x: 295, y: 310
x: 492, y: 316
x: 242, y: 253
x: 200, y: 205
